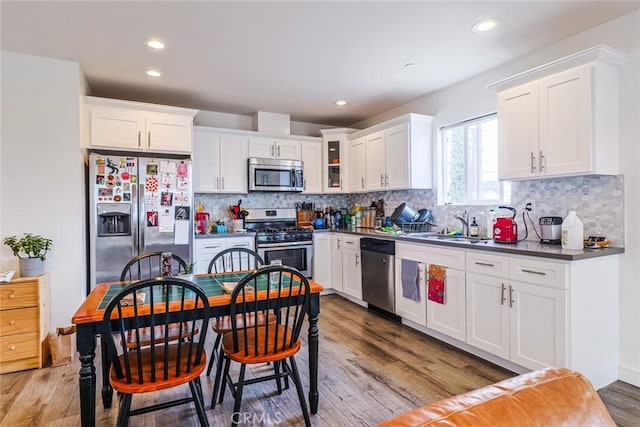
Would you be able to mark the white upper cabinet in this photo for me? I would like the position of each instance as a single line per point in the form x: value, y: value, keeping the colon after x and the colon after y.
x: 312, y: 166
x: 136, y: 126
x: 219, y: 162
x: 273, y: 148
x: 357, y: 166
x: 563, y: 121
x: 335, y: 159
x: 397, y: 155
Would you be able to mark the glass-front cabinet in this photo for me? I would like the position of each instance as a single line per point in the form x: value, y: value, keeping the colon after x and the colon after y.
x: 335, y: 161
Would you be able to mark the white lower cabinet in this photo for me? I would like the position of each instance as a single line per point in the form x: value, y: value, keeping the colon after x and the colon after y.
x: 336, y: 261
x: 351, y: 268
x: 322, y: 259
x: 447, y: 318
x: 519, y: 321
x: 205, y: 249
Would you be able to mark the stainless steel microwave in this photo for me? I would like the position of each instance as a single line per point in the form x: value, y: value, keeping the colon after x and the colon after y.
x: 275, y: 175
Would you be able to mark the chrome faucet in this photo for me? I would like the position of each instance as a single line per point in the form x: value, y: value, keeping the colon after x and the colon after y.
x: 464, y: 219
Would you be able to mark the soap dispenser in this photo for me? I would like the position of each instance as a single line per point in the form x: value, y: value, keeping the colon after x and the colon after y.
x: 473, y: 228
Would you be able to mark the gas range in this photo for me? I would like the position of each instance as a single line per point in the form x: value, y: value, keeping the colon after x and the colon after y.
x: 278, y: 238
x: 275, y: 235
x: 276, y: 226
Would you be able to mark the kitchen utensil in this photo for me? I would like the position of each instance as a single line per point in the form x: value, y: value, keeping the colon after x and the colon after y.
x: 505, y: 229
x: 550, y: 229
x: 403, y: 214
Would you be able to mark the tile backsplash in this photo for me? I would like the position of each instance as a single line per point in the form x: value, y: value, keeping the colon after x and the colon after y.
x: 597, y: 200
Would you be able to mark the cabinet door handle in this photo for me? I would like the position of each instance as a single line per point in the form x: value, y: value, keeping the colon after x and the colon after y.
x: 485, y: 264
x: 149, y: 140
x: 340, y: 182
x: 273, y: 151
x: 222, y: 182
x: 541, y: 160
x: 338, y: 244
x: 386, y: 180
x: 381, y: 180
x: 304, y: 184
x: 502, y: 294
x: 533, y: 163
x: 139, y: 139
x: 278, y: 151
x: 362, y: 179
x: 511, y: 301
x: 217, y: 183
x: 539, y: 273
x: 357, y: 256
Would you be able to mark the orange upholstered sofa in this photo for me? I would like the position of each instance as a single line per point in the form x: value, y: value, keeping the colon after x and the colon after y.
x: 549, y: 397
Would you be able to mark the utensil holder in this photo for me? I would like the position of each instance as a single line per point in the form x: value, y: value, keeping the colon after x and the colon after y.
x: 237, y: 224
x: 221, y: 229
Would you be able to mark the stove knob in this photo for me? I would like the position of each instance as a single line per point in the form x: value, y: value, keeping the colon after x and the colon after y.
x: 269, y: 238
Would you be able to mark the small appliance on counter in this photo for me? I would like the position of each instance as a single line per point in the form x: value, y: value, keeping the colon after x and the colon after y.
x: 551, y: 230
x: 505, y: 229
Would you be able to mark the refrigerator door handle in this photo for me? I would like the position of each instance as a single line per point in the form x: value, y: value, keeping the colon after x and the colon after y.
x: 142, y: 221
x: 135, y: 224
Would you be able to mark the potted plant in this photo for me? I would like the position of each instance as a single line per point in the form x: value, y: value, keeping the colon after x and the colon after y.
x: 31, y: 250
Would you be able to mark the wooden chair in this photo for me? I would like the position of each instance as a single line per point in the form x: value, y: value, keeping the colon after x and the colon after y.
x: 232, y: 259
x: 148, y: 266
x: 276, y: 342
x: 160, y: 365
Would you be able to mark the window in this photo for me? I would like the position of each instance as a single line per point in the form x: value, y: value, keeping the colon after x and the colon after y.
x: 470, y: 163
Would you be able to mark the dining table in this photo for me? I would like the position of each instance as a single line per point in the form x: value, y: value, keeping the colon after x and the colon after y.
x: 89, y: 317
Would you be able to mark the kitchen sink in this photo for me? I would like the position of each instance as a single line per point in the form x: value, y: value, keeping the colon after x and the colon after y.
x: 448, y: 238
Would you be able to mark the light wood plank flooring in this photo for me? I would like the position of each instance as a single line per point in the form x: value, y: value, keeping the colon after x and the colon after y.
x: 370, y: 369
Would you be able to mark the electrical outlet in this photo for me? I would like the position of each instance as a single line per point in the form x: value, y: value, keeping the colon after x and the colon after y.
x: 530, y: 207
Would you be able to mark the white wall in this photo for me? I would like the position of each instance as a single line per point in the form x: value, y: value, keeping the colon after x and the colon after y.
x: 41, y: 170
x: 471, y: 98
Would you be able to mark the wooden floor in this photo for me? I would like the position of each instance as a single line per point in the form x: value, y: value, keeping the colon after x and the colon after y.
x: 370, y: 369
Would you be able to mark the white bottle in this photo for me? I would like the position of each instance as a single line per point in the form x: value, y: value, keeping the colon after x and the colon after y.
x: 572, y: 232
x: 491, y: 218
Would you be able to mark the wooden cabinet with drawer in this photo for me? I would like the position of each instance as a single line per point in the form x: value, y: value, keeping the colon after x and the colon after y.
x: 24, y: 324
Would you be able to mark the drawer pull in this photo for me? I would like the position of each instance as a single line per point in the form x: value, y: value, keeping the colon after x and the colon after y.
x: 12, y: 348
x: 13, y: 322
x: 539, y: 273
x: 12, y: 296
x: 485, y: 264
x: 212, y: 247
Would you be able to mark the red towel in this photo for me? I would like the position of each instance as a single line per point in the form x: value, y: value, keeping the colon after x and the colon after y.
x: 436, y: 289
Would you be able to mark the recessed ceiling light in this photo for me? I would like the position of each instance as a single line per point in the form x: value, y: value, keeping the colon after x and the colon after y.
x: 154, y: 73
x: 155, y: 44
x: 341, y: 102
x: 485, y: 25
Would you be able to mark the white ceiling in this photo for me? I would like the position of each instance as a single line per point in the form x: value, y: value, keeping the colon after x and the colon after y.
x: 294, y: 58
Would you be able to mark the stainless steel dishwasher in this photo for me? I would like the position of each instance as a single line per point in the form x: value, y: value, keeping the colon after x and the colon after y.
x: 378, y: 273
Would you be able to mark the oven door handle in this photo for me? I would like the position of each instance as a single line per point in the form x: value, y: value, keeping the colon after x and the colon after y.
x: 283, y: 244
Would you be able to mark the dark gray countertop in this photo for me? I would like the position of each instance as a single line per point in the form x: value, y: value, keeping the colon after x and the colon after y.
x: 219, y: 236
x: 528, y: 247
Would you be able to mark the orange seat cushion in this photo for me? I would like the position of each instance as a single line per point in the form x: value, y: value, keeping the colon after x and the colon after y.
x: 257, y: 353
x: 160, y: 384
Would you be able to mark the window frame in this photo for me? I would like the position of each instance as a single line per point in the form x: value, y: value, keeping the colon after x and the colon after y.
x: 442, y: 198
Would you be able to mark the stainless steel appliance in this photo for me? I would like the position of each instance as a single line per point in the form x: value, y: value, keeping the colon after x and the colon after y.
x: 551, y: 229
x: 278, y: 238
x: 136, y: 205
x: 275, y: 175
x: 377, y: 266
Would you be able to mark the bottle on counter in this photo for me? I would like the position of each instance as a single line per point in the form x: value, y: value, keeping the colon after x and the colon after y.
x: 473, y: 228
x: 572, y: 232
x: 491, y: 219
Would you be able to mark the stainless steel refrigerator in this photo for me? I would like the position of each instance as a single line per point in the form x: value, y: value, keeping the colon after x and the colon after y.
x: 136, y: 205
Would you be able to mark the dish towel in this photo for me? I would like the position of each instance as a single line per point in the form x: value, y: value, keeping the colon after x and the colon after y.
x: 410, y: 279
x: 436, y: 290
